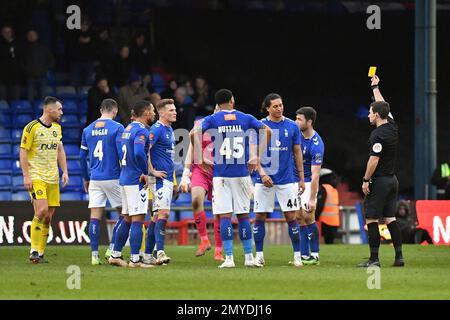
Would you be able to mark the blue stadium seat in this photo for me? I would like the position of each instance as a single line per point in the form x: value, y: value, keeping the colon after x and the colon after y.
x: 16, y: 151
x: 5, y: 196
x: 73, y: 166
x: 158, y: 81
x: 21, y: 120
x: 83, y: 106
x: 5, y: 151
x: 83, y: 92
x: 72, y: 151
x: 16, y: 135
x: 17, y: 182
x: 16, y: 169
x: 38, y: 106
x: 186, y: 215
x: 71, y: 196
x: 5, y: 120
x: 21, y: 106
x: 5, y: 182
x: 75, y: 184
x: 21, y: 196
x: 70, y: 106
x: 83, y: 119
x: 5, y: 166
x: 5, y: 135
x: 4, y: 106
x: 66, y: 92
x: 71, y: 135
x: 70, y: 120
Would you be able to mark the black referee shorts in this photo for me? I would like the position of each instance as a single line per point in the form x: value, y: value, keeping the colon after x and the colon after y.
x: 381, y: 202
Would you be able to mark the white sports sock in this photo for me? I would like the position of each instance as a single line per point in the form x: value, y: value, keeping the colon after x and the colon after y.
x: 248, y: 257
x: 111, y: 246
x: 315, y: 255
x: 95, y: 254
x: 260, y: 254
x: 135, y: 258
x: 116, y: 254
x: 148, y: 256
x: 229, y: 258
x: 305, y: 257
x: 297, y: 254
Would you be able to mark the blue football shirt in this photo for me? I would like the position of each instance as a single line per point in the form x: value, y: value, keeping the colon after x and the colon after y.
x: 135, y: 147
x: 102, y: 140
x: 278, y: 162
x: 230, y: 131
x: 162, y: 151
x: 313, y: 152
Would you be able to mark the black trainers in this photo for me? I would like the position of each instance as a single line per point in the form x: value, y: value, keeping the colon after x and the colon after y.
x: 34, y: 257
x: 399, y: 262
x: 370, y: 263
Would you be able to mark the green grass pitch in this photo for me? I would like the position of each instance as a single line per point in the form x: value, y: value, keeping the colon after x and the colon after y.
x: 187, y: 277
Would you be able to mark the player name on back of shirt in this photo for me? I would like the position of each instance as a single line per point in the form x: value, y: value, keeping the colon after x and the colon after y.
x: 225, y: 129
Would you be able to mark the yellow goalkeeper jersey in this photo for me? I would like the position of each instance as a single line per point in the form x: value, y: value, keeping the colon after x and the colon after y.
x: 42, y: 142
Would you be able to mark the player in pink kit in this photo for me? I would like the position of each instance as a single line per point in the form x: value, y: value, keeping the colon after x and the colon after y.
x: 199, y: 182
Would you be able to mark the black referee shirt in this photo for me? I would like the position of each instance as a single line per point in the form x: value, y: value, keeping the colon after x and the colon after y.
x: 383, y: 144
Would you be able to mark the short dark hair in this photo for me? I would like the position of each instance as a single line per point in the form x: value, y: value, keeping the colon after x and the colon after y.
x: 268, y: 100
x: 223, y: 96
x: 309, y: 113
x: 163, y: 103
x: 108, y: 105
x: 382, y: 108
x: 50, y: 100
x: 140, y: 107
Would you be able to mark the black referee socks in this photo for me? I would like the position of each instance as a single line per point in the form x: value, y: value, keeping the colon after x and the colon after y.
x: 374, y: 240
x: 396, y: 237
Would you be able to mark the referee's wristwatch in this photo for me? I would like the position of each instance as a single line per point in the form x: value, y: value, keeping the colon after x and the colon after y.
x: 368, y: 180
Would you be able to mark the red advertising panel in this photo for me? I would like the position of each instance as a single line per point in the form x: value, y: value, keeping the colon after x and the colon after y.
x: 434, y: 216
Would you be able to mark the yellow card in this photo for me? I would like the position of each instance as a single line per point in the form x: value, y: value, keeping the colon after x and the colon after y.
x: 372, y: 71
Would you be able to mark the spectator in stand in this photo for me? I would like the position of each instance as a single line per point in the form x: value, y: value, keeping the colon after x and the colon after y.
x: 37, y: 60
x: 408, y: 225
x: 155, y: 98
x: 441, y: 179
x: 106, y: 51
x: 147, y: 83
x: 10, y: 75
x: 82, y: 54
x: 185, y: 109
x: 169, y: 92
x: 203, y: 96
x: 96, y: 95
x: 140, y: 53
x: 129, y: 95
x: 186, y: 83
x: 123, y: 66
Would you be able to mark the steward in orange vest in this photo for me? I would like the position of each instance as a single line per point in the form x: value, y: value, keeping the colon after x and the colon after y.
x: 327, y: 212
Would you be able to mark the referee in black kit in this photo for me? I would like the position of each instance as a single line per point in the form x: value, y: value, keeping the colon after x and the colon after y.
x: 380, y: 185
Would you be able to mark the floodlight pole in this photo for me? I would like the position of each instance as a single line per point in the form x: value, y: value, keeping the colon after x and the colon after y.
x: 425, y: 160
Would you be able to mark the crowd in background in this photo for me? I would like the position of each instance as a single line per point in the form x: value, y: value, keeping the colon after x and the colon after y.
x: 119, y: 70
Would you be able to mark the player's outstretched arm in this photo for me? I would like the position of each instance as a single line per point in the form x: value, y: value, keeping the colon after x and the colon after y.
x: 375, y: 89
x: 62, y: 162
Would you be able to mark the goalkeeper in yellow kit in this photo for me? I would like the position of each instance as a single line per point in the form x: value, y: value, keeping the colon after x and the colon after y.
x: 41, y: 151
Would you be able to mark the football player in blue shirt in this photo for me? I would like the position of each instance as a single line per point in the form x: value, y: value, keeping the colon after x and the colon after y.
x: 313, y: 151
x: 232, y: 185
x: 276, y: 177
x: 161, y: 167
x: 134, y: 183
x: 100, y: 146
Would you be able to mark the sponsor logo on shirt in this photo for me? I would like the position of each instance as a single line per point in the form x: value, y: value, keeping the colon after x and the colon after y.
x: 229, y: 117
